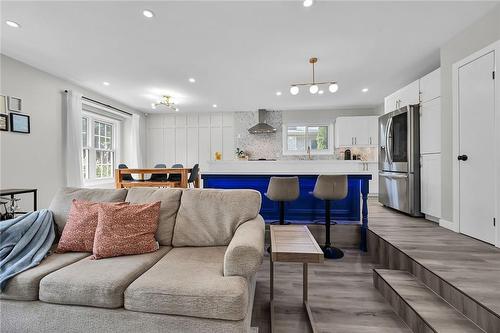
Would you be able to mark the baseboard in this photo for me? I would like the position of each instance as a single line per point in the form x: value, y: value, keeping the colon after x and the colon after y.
x: 432, y: 218
x: 448, y: 225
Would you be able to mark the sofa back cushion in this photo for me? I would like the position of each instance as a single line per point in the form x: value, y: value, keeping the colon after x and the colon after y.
x: 209, y: 217
x: 62, y: 201
x: 170, y: 200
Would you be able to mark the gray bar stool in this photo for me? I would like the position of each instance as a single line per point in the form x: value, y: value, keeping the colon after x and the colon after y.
x: 283, y: 189
x: 329, y: 188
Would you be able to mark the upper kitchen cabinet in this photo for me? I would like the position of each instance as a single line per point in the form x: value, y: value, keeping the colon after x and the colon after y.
x: 430, y: 86
x: 356, y: 131
x: 408, y: 95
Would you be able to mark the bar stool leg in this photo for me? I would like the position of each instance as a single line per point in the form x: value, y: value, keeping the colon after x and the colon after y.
x: 330, y: 251
x: 282, y: 212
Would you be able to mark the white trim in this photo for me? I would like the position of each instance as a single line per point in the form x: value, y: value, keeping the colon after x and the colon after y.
x: 448, y: 225
x: 284, y: 137
x: 455, y: 224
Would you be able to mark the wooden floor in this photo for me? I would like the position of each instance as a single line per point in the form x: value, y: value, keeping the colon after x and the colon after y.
x: 341, y: 295
x: 468, y: 264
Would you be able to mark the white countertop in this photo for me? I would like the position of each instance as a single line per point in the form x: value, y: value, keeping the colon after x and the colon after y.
x: 295, y: 167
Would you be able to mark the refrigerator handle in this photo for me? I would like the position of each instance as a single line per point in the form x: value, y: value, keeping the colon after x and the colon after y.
x: 387, y: 145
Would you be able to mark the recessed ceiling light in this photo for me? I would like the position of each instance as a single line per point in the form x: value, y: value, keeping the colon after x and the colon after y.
x: 192, y: 80
x: 12, y: 24
x: 364, y: 90
x: 148, y: 13
x: 321, y: 92
x: 106, y: 83
x: 308, y: 3
x: 278, y: 93
x: 214, y: 105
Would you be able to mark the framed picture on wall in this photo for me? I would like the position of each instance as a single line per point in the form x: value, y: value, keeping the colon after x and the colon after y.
x: 4, y: 122
x: 19, y: 123
x: 14, y: 104
x: 3, y: 104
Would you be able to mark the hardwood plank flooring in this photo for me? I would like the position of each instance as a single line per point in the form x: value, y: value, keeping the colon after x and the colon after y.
x: 341, y: 295
x: 466, y: 263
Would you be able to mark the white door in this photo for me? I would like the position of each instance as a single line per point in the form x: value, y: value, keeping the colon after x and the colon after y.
x: 476, y: 106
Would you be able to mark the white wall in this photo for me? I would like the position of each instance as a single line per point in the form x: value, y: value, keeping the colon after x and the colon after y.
x: 326, y: 116
x: 189, y: 138
x: 477, y: 36
x: 35, y: 160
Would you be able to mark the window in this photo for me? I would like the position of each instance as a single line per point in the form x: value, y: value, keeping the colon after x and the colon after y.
x: 298, y: 138
x: 99, y: 147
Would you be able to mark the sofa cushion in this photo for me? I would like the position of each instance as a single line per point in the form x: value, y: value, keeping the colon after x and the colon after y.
x: 210, y: 217
x: 98, y: 283
x: 170, y: 200
x: 79, y: 231
x: 189, y: 281
x: 61, y: 203
x: 24, y: 286
x: 126, y: 230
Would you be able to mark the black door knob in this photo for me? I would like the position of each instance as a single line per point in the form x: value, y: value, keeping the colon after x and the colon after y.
x: 462, y: 157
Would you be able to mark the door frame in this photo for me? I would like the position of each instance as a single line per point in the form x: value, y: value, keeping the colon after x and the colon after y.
x: 455, y: 224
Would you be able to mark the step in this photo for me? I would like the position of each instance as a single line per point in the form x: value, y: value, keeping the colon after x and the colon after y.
x: 420, y: 308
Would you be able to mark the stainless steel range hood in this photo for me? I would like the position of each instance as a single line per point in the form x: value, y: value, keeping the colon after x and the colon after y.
x: 262, y: 127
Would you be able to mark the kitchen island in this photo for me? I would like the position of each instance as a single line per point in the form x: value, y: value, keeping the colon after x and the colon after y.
x: 306, y: 209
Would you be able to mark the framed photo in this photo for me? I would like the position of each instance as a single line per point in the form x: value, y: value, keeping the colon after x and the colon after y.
x: 19, y: 123
x: 3, y: 104
x: 4, y: 122
x: 14, y: 104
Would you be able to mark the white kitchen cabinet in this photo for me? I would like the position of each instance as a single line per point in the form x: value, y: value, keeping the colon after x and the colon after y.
x: 228, y: 150
x: 407, y: 95
x: 356, y: 131
x: 204, y: 151
x: 180, y: 145
x: 430, y: 126
x: 430, y: 86
x: 430, y: 185
x: 169, y: 145
x: 192, y: 146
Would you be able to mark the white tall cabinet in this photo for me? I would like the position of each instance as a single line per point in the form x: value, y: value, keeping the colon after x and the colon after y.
x: 426, y: 92
x: 189, y: 138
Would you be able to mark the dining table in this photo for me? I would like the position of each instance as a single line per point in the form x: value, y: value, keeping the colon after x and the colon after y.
x: 143, y: 182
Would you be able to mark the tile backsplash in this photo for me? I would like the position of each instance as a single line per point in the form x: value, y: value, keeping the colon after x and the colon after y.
x: 269, y: 146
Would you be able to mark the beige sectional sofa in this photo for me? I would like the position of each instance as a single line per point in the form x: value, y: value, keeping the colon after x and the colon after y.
x: 202, y: 279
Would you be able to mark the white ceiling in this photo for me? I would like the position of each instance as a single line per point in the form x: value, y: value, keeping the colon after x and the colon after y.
x: 240, y: 53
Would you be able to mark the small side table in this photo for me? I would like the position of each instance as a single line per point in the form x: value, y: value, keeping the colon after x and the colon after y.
x: 15, y: 191
x: 294, y: 243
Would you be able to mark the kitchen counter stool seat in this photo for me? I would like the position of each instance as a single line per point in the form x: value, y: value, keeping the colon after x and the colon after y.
x: 328, y: 188
x: 283, y: 189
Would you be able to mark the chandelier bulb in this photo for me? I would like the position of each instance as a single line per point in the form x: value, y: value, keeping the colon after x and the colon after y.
x: 313, y: 89
x: 294, y: 90
x: 333, y: 87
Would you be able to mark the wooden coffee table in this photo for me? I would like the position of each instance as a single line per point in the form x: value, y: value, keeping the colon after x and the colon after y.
x: 294, y: 243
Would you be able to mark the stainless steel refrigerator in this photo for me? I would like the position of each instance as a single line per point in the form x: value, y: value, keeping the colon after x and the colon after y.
x: 399, y: 160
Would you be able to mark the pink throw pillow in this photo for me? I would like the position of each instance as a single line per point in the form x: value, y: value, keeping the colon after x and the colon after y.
x: 126, y: 230
x: 78, y: 233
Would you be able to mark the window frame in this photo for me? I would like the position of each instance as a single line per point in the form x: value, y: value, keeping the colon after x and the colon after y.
x: 91, y: 117
x: 287, y: 152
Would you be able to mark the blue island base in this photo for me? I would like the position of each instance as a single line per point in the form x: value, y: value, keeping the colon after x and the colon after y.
x: 306, y: 209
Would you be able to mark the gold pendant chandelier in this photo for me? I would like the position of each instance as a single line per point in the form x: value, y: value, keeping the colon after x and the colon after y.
x: 314, y: 86
x: 167, y: 102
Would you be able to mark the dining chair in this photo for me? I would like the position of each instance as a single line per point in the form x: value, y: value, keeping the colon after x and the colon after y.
x: 175, y: 177
x: 159, y: 177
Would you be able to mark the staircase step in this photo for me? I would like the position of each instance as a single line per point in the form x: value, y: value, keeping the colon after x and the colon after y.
x: 420, y: 308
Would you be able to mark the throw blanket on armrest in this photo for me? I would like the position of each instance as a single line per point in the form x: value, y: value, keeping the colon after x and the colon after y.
x: 24, y: 242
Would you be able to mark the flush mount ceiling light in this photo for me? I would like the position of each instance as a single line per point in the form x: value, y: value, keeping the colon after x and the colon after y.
x: 165, y: 101
x: 308, y: 3
x: 12, y: 24
x: 148, y: 13
x: 314, y: 86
